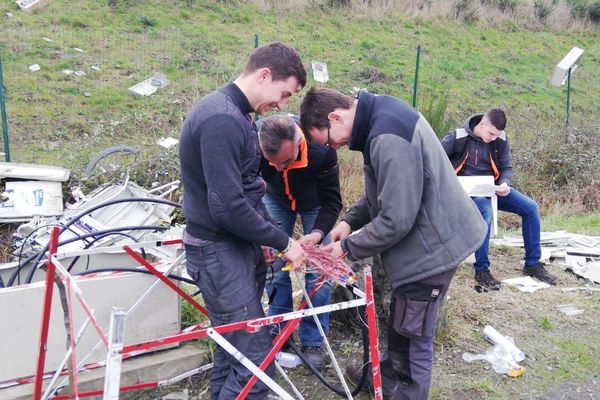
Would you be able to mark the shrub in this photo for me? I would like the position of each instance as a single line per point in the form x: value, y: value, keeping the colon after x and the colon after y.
x: 594, y: 12
x: 541, y: 9
x: 507, y: 5
x: 465, y: 10
x: 579, y: 8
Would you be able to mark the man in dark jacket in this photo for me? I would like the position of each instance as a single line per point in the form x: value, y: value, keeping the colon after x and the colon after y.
x: 481, y: 147
x: 226, y: 221
x: 302, y: 180
x: 414, y: 212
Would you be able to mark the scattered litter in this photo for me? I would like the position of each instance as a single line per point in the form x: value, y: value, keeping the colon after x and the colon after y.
x: 9, y: 15
x: 67, y: 71
x: 87, y: 94
x: 95, y: 68
x: 47, y: 39
x: 77, y: 49
x: 288, y: 360
x: 76, y: 194
x: 30, y: 5
x: 34, y: 68
x: 320, y: 73
x: 526, y: 284
x: 167, y: 142
x: 80, y: 73
x: 569, y: 309
x: 504, y: 355
x: 182, y: 395
x: 578, y: 288
x: 150, y: 85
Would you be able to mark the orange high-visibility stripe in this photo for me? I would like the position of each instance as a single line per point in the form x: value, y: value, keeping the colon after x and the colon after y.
x: 494, y: 168
x: 457, y: 169
x: 301, y: 163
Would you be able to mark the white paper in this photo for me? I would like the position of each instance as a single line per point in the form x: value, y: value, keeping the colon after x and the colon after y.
x: 320, y: 73
x: 526, y: 284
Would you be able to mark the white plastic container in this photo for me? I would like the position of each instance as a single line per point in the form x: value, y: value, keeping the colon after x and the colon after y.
x: 288, y: 360
x: 497, y: 338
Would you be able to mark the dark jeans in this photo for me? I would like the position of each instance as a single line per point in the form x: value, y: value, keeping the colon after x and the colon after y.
x: 406, y: 365
x: 516, y: 203
x: 280, y: 289
x: 231, y: 276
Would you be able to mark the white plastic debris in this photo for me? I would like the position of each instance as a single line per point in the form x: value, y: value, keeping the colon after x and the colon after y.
x: 504, y: 355
x: 47, y: 39
x: 67, y: 71
x: 150, y: 85
x: 95, y: 68
x: 181, y: 395
x: 288, y: 360
x: 569, y: 309
x: 9, y: 15
x: 34, y: 68
x: 526, y: 284
x: 77, y: 49
x: 167, y: 142
x: 80, y: 73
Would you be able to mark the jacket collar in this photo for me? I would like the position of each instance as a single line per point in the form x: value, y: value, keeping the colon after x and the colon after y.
x: 362, y: 119
x: 239, y: 98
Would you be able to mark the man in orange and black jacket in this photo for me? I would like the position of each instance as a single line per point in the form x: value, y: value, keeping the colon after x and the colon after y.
x: 302, y: 180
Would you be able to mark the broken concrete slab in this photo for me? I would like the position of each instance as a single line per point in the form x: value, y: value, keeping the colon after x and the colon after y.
x: 33, y: 171
x: 569, y: 309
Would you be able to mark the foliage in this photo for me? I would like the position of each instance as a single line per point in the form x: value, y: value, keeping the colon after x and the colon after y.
x: 434, y: 110
x: 594, y: 12
x: 542, y: 9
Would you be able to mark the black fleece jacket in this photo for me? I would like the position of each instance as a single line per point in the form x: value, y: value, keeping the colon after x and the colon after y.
x: 220, y: 161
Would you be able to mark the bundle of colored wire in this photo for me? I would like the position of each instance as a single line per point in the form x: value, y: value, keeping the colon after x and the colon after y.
x: 322, y: 262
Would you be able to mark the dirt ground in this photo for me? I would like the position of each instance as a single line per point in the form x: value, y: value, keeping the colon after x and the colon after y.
x: 562, y: 353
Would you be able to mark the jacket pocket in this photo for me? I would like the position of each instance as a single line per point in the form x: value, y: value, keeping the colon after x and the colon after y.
x: 416, y: 306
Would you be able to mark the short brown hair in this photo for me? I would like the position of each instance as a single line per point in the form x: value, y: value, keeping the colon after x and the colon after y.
x: 316, y: 106
x: 497, y: 117
x: 282, y: 59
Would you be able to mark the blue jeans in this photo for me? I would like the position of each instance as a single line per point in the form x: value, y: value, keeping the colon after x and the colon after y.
x: 280, y: 289
x: 516, y: 203
x: 231, y: 276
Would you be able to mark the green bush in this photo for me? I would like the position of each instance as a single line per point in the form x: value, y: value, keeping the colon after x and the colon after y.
x: 507, y: 5
x: 594, y: 12
x: 465, y: 10
x: 579, y: 8
x: 542, y: 9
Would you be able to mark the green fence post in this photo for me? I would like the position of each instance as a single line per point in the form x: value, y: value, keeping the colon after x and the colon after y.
x: 4, y: 123
x: 414, y: 99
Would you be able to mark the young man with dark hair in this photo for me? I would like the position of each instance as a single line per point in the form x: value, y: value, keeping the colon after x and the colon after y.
x: 226, y: 221
x: 481, y: 147
x: 414, y: 212
x: 302, y: 180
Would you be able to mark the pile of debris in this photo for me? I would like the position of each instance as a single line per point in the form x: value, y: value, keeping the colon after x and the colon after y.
x: 577, y: 253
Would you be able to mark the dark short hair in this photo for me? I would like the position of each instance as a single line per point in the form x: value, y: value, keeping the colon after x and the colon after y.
x: 497, y: 117
x: 274, y: 131
x: 316, y: 106
x: 282, y: 59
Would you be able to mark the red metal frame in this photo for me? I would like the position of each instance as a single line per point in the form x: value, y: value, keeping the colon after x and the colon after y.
x: 37, y: 393
x: 250, y: 325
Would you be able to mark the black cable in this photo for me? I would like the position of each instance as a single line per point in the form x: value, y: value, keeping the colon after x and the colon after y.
x: 91, y: 234
x: 90, y: 210
x: 27, y: 238
x: 88, y: 245
x: 337, y: 390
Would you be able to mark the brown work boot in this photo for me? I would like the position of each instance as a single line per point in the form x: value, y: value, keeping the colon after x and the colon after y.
x: 353, y: 373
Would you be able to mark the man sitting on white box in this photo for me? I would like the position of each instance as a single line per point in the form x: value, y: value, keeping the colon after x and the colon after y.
x: 481, y: 147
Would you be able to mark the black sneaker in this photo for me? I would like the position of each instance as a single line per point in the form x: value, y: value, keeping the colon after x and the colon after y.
x: 314, y: 355
x: 487, y: 280
x: 539, y: 272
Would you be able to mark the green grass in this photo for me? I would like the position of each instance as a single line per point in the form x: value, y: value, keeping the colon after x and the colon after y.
x: 588, y: 224
x: 200, y: 45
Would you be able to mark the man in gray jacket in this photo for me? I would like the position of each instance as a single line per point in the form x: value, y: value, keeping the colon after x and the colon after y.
x: 414, y: 212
